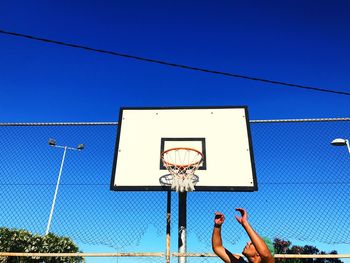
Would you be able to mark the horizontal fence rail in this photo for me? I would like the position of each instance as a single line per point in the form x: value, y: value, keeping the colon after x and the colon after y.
x: 146, y: 254
x: 136, y: 254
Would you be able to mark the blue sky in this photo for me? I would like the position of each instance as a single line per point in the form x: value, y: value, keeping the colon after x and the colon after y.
x: 293, y: 41
x: 301, y: 42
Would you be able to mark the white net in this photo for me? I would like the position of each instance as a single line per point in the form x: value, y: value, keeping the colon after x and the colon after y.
x: 182, y: 163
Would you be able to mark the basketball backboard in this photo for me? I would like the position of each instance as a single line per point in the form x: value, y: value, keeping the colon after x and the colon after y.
x: 222, y: 134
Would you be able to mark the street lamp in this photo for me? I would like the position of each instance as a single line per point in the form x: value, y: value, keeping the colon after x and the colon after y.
x: 52, y: 143
x: 341, y: 142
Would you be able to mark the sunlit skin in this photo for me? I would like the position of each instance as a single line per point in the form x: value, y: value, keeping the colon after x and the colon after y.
x: 249, y: 249
x: 250, y: 252
x: 255, y: 250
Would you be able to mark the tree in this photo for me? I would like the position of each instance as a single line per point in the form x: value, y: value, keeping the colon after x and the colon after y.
x: 19, y: 240
x: 285, y: 247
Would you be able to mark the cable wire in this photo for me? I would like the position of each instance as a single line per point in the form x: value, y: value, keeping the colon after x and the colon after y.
x: 111, y: 123
x: 174, y: 64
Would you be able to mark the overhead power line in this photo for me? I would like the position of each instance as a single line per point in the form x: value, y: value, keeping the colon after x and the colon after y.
x: 173, y: 64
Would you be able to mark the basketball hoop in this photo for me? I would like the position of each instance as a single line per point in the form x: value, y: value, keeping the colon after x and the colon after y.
x: 181, y: 163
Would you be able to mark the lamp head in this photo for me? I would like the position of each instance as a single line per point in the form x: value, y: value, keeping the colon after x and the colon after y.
x: 52, y: 142
x: 81, y: 147
x: 339, y: 142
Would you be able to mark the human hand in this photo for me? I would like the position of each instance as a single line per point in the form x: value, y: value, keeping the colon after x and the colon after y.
x: 219, y: 218
x: 244, y: 216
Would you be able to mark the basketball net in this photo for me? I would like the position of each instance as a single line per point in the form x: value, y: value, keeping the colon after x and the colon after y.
x: 182, y: 163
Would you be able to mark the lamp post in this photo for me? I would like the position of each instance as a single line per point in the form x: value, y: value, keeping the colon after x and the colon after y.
x: 52, y: 143
x: 341, y: 142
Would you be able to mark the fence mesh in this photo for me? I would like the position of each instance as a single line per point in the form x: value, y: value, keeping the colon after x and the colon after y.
x: 303, y: 189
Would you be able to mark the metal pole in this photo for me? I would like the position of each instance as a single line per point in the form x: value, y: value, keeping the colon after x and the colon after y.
x: 182, y: 225
x: 168, y: 217
x: 55, y: 195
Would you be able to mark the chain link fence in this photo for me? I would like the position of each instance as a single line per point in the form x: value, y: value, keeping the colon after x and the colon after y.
x: 303, y: 189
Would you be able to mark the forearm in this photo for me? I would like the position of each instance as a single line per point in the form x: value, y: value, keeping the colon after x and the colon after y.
x: 216, y: 239
x: 219, y: 249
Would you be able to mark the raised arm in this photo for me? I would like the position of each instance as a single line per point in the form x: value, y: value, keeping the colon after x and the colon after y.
x: 258, y: 242
x: 216, y: 241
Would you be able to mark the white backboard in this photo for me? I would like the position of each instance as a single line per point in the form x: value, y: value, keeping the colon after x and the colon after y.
x: 222, y: 134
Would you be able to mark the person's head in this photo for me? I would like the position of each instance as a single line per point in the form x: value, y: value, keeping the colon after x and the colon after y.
x: 250, y: 252
x: 252, y: 255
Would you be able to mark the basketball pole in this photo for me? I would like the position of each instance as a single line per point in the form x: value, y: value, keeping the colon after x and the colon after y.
x: 182, y: 225
x: 168, y: 221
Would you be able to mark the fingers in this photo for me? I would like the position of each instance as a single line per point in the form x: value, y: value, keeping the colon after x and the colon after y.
x: 241, y: 210
x: 239, y: 220
x: 219, y: 215
x: 219, y: 218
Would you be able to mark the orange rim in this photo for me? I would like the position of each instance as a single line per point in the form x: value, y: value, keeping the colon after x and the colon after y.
x: 181, y: 148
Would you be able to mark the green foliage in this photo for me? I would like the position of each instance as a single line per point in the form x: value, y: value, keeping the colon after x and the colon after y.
x: 285, y: 247
x: 19, y: 240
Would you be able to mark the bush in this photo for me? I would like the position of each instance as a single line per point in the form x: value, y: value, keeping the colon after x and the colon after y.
x: 19, y: 240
